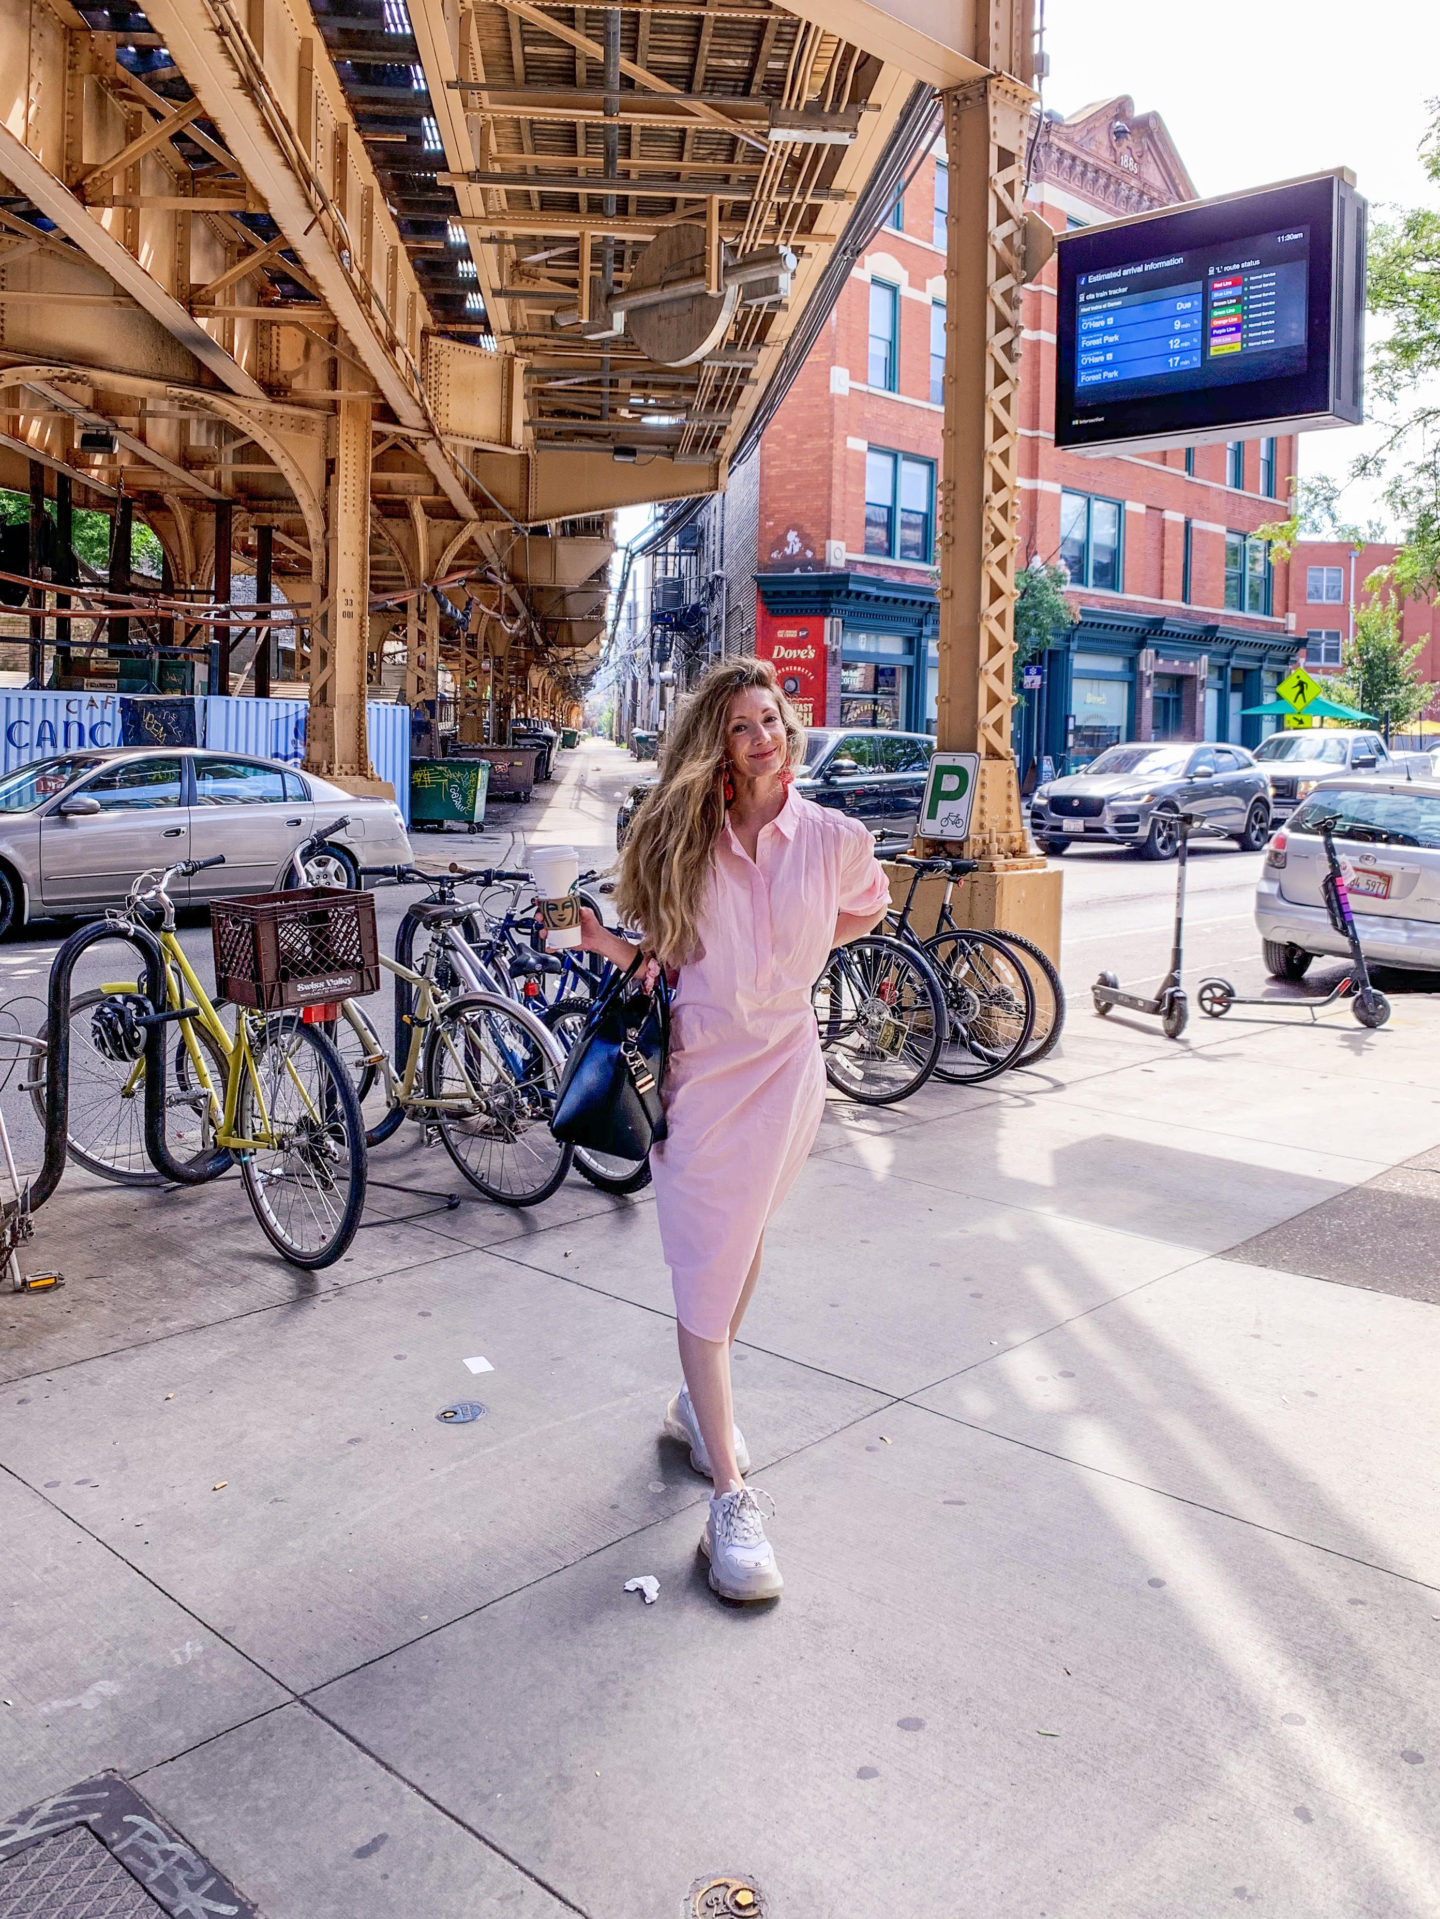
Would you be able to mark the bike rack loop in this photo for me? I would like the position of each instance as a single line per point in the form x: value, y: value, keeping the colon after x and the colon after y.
x: 57, y: 1062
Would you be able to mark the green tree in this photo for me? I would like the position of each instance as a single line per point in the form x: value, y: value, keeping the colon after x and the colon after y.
x: 1404, y: 287
x: 91, y: 532
x: 1041, y: 612
x: 1378, y: 674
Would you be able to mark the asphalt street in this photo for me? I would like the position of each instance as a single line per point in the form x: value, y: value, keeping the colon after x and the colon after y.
x: 1118, y: 909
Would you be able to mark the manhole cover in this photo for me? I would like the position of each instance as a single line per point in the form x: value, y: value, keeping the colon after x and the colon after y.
x: 101, y: 1851
x: 461, y: 1413
x: 726, y: 1897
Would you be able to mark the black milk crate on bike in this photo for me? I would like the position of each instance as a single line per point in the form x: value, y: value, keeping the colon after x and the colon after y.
x: 306, y: 947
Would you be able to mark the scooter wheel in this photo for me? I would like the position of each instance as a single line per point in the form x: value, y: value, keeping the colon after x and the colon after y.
x: 1372, y: 1011
x: 1102, y: 1006
x: 1176, y: 1016
x: 1217, y: 996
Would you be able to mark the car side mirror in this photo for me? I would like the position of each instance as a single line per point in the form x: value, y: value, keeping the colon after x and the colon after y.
x: 1203, y: 773
x: 838, y: 769
x: 79, y: 806
x: 1364, y: 763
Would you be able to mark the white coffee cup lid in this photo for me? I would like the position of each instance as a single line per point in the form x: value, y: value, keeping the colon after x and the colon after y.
x: 556, y: 869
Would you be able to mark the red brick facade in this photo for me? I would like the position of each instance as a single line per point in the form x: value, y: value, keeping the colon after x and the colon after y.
x: 1325, y: 617
x: 1104, y: 163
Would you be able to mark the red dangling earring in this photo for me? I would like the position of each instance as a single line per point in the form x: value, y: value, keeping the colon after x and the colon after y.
x: 728, y: 789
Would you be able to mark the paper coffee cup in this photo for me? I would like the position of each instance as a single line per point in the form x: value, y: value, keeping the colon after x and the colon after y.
x: 557, y: 870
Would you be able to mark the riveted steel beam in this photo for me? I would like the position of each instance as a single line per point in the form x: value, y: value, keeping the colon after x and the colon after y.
x: 284, y: 116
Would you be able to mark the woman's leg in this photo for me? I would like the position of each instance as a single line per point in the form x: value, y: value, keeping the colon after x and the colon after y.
x: 746, y: 1290
x: 706, y: 1364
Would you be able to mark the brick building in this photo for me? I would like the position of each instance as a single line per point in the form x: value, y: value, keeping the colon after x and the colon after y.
x: 823, y: 553
x: 1327, y: 579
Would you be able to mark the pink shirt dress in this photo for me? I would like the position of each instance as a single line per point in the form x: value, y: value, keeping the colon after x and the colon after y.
x: 745, y: 1089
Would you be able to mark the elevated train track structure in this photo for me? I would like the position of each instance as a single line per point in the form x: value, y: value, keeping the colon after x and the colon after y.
x: 392, y: 303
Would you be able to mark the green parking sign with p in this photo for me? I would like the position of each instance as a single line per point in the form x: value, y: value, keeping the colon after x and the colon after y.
x: 949, y: 795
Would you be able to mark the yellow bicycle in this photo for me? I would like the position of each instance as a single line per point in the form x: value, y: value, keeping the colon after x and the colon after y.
x: 273, y: 1095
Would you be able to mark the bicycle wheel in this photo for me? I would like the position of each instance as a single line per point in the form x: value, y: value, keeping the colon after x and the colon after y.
x: 305, y: 1176
x: 882, y: 1019
x: 106, y: 1095
x: 1049, y: 998
x: 989, y: 1003
x: 498, y: 1070
x: 612, y: 1174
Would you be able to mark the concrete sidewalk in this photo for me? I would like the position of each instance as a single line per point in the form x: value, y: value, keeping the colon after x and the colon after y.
x: 1098, y: 1409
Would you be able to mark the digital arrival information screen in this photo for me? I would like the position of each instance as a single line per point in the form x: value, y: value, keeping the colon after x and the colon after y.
x: 1193, y: 325
x: 1192, y: 319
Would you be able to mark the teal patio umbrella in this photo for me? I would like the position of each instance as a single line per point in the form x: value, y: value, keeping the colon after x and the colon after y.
x: 1319, y: 709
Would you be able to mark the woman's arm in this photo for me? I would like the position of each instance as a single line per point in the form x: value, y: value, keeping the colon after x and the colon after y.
x: 597, y: 938
x: 852, y: 926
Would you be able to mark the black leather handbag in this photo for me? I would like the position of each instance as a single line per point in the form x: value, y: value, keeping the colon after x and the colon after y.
x: 609, y: 1097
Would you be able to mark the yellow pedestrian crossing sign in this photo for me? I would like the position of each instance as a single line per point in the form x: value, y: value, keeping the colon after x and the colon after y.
x: 1297, y: 689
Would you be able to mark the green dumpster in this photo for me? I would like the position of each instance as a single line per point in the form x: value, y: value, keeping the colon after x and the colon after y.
x: 570, y: 736
x: 442, y: 791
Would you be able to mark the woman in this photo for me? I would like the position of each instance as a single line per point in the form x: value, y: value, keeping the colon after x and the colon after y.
x: 743, y: 887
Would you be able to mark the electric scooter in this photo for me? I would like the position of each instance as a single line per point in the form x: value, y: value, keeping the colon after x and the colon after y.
x: 1371, y: 1008
x: 1169, y: 1006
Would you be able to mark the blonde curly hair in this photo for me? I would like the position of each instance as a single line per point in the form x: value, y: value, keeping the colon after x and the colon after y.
x: 665, y: 865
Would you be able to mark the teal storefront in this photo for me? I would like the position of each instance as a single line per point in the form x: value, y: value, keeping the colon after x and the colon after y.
x: 1119, y: 676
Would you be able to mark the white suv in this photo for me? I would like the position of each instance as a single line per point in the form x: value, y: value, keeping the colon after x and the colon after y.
x: 1295, y: 762
x: 1388, y: 833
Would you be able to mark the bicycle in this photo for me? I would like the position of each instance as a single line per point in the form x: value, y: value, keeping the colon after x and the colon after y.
x: 477, y: 1066
x: 882, y: 1016
x: 989, y: 995
x: 531, y: 975
x: 509, y: 941
x: 559, y: 988
x: 287, y: 1113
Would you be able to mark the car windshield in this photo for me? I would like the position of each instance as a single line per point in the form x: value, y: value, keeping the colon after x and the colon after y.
x: 817, y: 743
x: 1152, y: 761
x: 29, y: 786
x: 1373, y: 818
x: 1324, y: 747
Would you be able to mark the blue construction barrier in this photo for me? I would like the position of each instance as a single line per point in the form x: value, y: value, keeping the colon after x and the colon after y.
x: 34, y: 725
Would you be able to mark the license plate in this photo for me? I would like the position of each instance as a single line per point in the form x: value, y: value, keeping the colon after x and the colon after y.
x: 1375, y: 886
x: 1073, y: 826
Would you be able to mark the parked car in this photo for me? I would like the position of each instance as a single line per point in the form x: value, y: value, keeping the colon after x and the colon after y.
x: 873, y: 776
x: 1388, y: 830
x: 1133, y: 795
x: 76, y: 829
x: 1295, y: 762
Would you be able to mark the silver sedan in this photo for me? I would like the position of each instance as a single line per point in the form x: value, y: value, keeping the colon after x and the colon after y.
x: 76, y: 829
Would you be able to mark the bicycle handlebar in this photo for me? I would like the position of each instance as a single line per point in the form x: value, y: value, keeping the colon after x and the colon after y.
x: 198, y: 866
x: 397, y: 873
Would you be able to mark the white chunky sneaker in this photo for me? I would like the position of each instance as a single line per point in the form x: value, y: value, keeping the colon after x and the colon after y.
x: 681, y: 1424
x: 742, y: 1560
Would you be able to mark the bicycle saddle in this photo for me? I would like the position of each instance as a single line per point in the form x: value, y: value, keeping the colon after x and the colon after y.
x: 440, y: 912
x: 940, y: 863
x: 528, y: 964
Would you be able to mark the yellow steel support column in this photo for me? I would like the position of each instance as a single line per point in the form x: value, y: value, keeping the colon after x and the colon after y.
x: 986, y: 126
x: 337, y: 747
